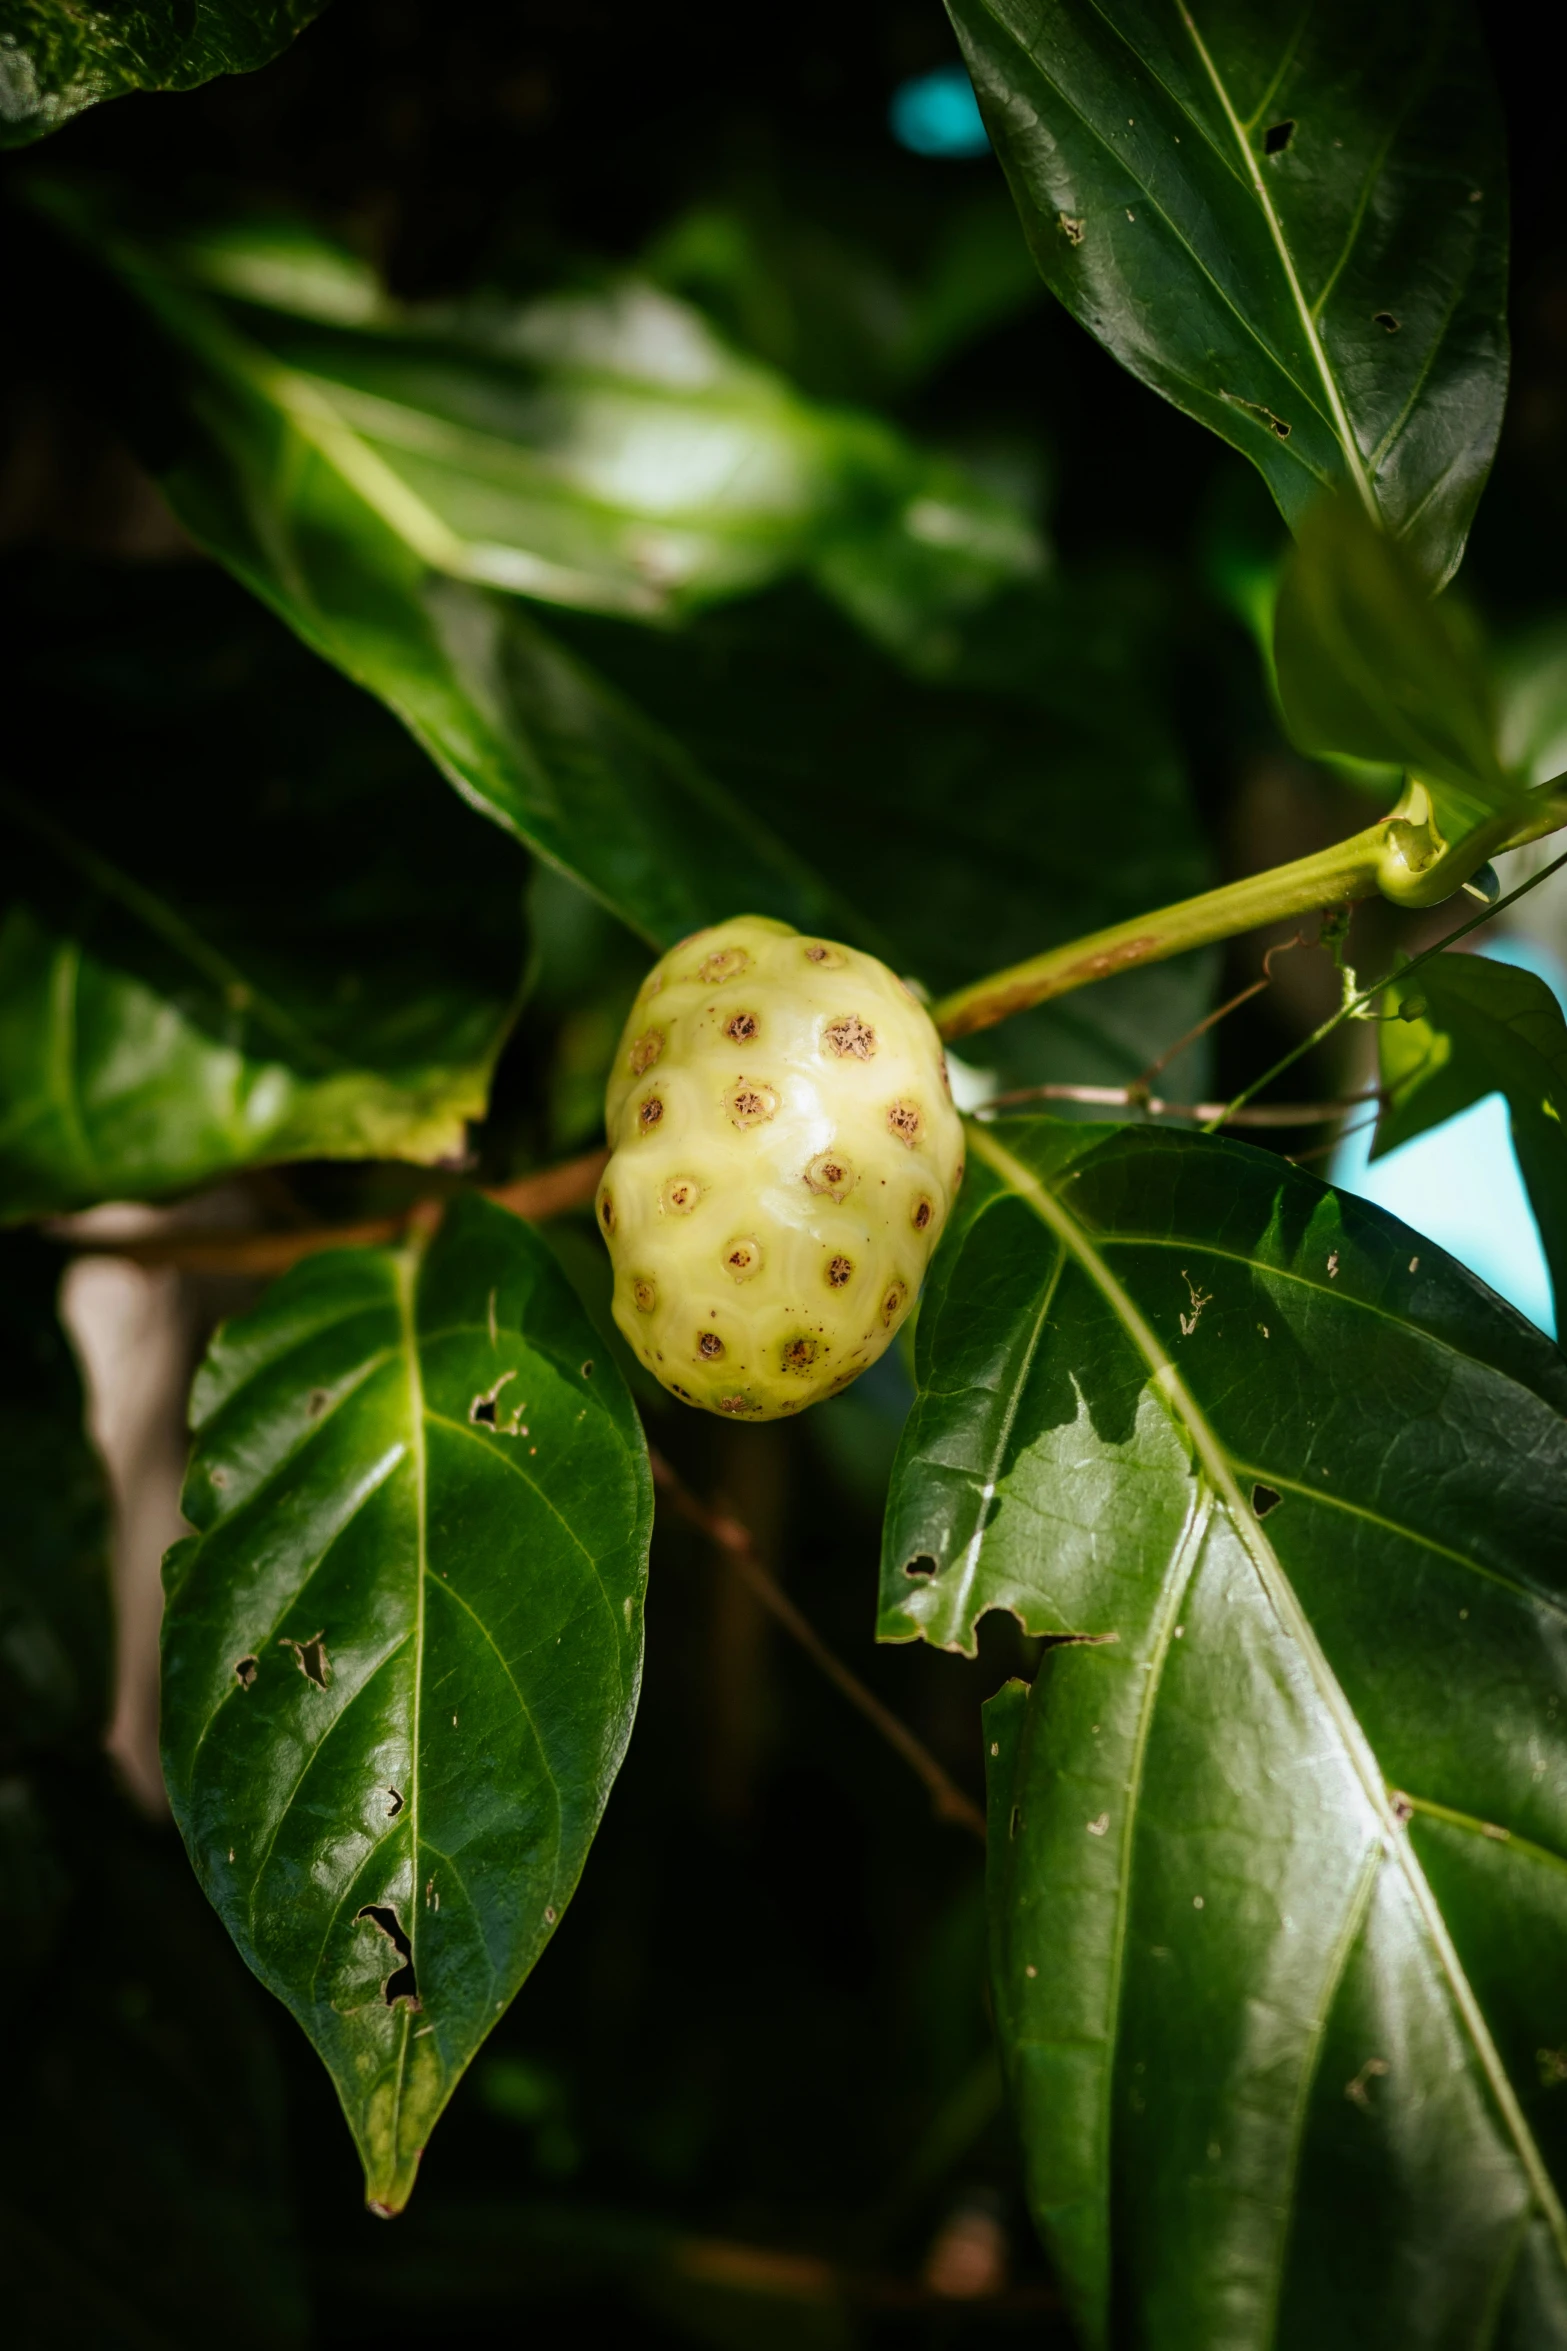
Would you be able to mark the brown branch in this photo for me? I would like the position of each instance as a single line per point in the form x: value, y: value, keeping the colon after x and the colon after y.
x: 548, y: 1193
x: 1210, y: 1020
x: 734, y: 1540
x: 1267, y: 1114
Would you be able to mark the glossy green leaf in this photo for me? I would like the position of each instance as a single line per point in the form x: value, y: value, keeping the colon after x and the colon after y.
x: 1278, y: 1898
x: 54, y: 1595
x: 1294, y: 226
x: 403, y: 1648
x: 56, y: 58
x: 574, y: 450
x: 1471, y: 1027
x: 339, y: 989
x: 1368, y: 664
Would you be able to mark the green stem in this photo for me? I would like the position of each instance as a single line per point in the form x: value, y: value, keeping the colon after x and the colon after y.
x: 1403, y: 855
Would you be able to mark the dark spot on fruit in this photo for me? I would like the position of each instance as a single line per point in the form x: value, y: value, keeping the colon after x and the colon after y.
x: 849, y: 1037
x: 646, y: 1051
x: 892, y: 1304
x: 741, y: 1027
x: 607, y: 1212
x: 681, y: 1194
x: 645, y: 1295
x: 828, y: 957
x: 649, y: 1113
x: 829, y: 1172
x: 750, y: 1104
x: 727, y: 963
x: 799, y: 1354
x: 924, y: 1210
x: 838, y: 1272
x: 742, y: 1258
x: 904, y: 1121
x: 736, y: 1404
x: 683, y: 1393
x: 709, y: 1346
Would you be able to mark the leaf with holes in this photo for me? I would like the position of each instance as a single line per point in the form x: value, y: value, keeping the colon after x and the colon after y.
x: 1293, y: 225
x: 402, y: 1650
x: 170, y: 1009
x: 1471, y: 1027
x: 1277, y: 1884
x: 56, y: 58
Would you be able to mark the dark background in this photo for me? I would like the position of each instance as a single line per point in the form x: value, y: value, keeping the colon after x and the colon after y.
x: 749, y: 2086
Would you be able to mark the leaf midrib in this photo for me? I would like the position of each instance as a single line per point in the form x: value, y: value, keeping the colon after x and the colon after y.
x: 1277, y: 1588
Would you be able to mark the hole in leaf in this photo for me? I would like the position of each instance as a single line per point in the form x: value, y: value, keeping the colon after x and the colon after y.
x: 311, y: 1658
x: 400, y: 1984
x: 246, y: 1669
x: 1277, y: 137
x: 1264, y: 1499
x: 484, y: 1410
x: 919, y: 1567
x: 396, y: 1805
x: 1385, y: 318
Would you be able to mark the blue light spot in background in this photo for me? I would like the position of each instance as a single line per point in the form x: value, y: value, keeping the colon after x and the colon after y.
x: 936, y: 114
x: 1459, y: 1184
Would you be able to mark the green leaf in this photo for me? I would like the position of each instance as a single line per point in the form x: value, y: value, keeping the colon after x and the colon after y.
x: 1369, y: 664
x: 1278, y: 1898
x: 1469, y: 1028
x: 1294, y: 227
x: 54, y: 1595
x: 607, y: 452
x: 402, y: 1651
x: 173, y: 1007
x: 56, y: 58
x: 966, y: 813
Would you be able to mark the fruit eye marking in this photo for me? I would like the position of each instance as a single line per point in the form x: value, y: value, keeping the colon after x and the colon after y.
x: 709, y: 1345
x: 923, y: 1212
x: 607, y: 1213
x: 742, y: 1258
x: 646, y: 1051
x: 681, y: 1194
x: 727, y: 963
x: 649, y: 1112
x: 849, y: 1037
x: 829, y: 1172
x: 904, y: 1121
x: 892, y: 1304
x: 839, y: 1271
x: 750, y: 1104
x: 828, y: 957
x: 737, y: 1404
x: 742, y: 1027
x: 645, y: 1293
x: 799, y: 1354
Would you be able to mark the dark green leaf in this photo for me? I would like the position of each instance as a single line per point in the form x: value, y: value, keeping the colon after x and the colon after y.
x: 1368, y: 664
x: 1471, y: 1028
x: 54, y: 1598
x: 571, y: 449
x: 1279, y: 1906
x: 56, y: 58
x: 1293, y: 226
x: 241, y: 921
x: 402, y: 1651
x: 1034, y: 791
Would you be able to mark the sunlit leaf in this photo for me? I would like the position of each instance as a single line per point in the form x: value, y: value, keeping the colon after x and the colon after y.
x: 1279, y: 1911
x: 403, y: 1648
x: 56, y: 58
x: 1294, y: 226
x: 240, y: 921
x: 1471, y: 1027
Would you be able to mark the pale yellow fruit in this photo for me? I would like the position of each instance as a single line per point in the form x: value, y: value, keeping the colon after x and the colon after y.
x: 784, y: 1157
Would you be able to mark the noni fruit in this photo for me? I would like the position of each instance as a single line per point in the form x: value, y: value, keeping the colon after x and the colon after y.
x: 784, y: 1156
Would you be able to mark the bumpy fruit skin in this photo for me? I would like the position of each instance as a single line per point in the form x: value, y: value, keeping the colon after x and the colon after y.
x: 785, y: 1154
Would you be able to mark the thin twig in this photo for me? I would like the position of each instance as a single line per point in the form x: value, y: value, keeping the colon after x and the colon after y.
x: 1269, y: 1114
x: 548, y: 1193
x: 1356, y: 1004
x: 1145, y: 1078
x: 734, y: 1540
